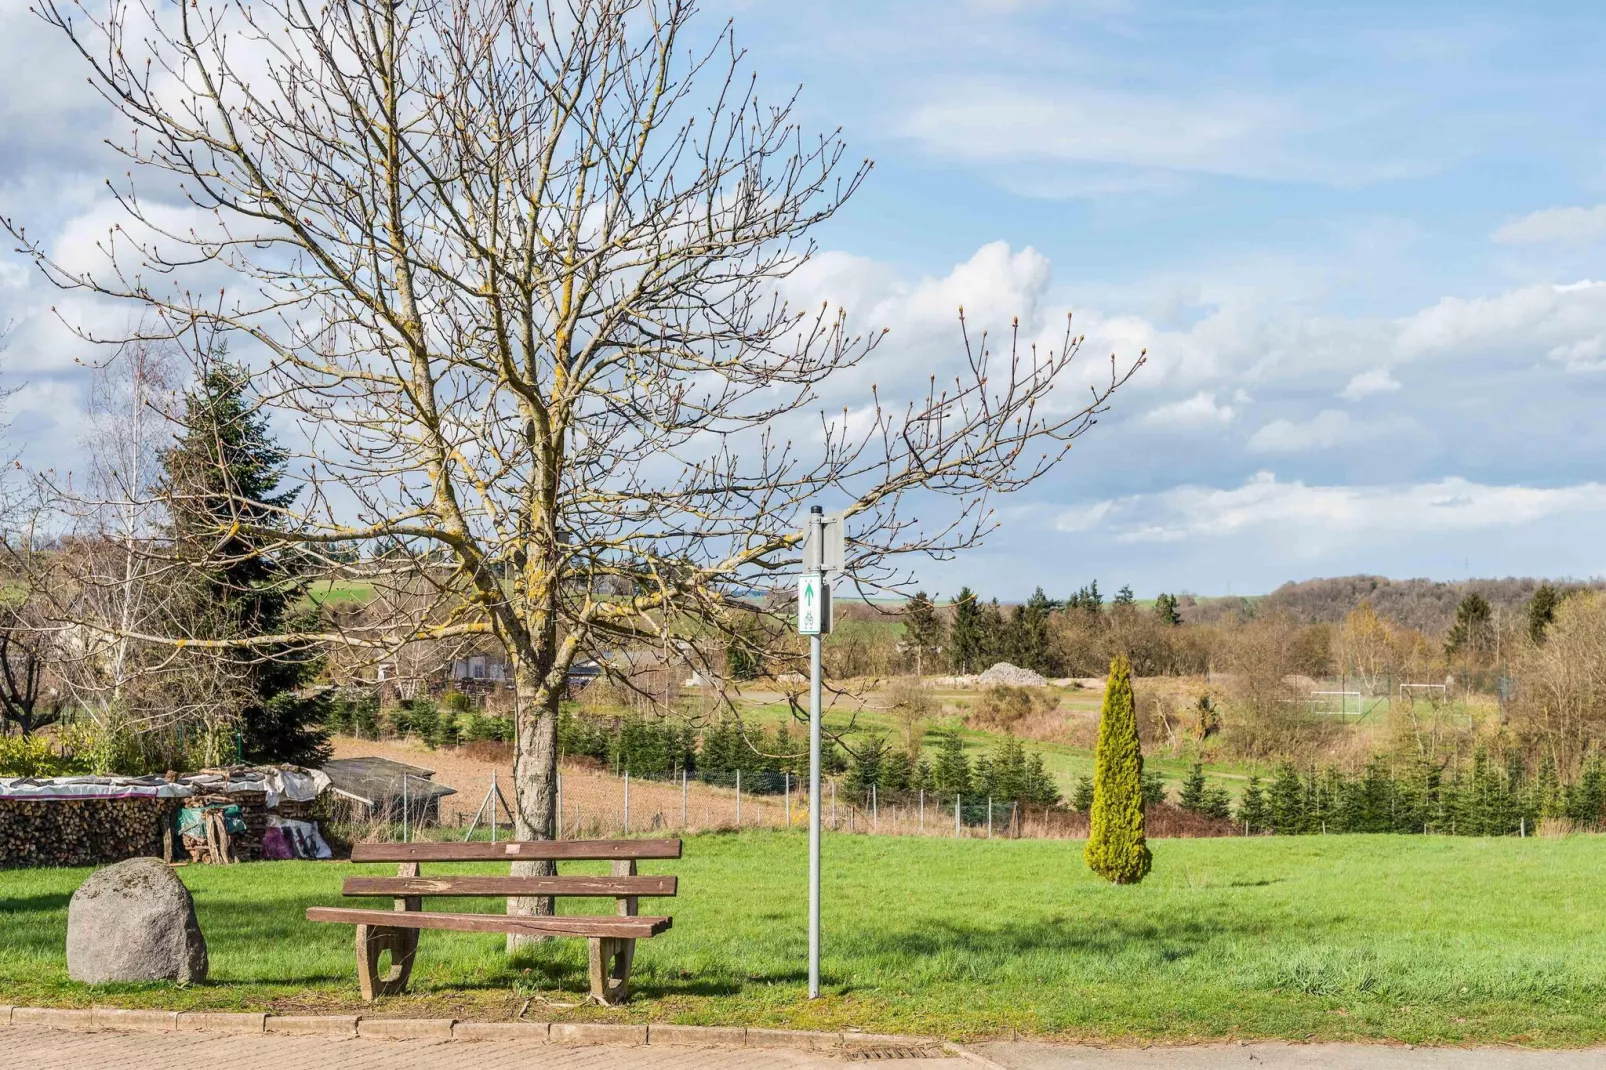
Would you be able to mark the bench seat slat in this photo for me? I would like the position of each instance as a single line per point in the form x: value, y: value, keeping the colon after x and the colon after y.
x: 628, y: 928
x: 504, y: 886
x: 516, y: 851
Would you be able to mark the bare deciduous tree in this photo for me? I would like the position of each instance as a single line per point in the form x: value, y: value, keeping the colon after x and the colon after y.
x: 30, y: 693
x: 1562, y: 683
x: 520, y: 273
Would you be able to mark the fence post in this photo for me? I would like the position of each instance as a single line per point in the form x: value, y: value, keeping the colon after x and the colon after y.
x: 959, y: 800
x: 738, y: 798
x: 875, y: 810
x: 787, y: 773
x: 683, y: 798
x: 559, y: 834
x: 627, y: 800
x: 922, y: 810
x: 494, y: 797
x: 989, y: 817
x: 833, y: 806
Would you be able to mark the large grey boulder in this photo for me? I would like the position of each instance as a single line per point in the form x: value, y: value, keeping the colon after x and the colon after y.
x: 134, y: 921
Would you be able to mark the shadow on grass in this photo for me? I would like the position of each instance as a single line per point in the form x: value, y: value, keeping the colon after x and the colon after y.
x: 39, y: 903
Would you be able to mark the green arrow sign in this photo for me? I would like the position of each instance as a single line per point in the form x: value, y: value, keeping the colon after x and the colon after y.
x: 809, y: 604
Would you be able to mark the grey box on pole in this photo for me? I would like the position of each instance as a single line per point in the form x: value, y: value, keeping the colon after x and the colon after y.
x: 824, y: 544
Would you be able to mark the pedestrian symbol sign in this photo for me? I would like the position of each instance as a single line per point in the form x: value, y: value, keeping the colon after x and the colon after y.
x: 813, y: 604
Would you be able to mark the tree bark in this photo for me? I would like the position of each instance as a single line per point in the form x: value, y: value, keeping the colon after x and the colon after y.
x: 535, y: 769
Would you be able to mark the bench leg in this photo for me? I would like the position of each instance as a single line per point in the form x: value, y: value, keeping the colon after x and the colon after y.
x: 372, y: 941
x: 611, y: 958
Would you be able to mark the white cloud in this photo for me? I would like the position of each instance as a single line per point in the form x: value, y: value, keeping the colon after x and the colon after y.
x: 1554, y: 225
x: 1200, y: 410
x: 1318, y: 518
x: 1584, y: 355
x: 1365, y: 384
x: 1083, y: 518
x: 1522, y: 319
x: 987, y: 122
x: 1327, y: 428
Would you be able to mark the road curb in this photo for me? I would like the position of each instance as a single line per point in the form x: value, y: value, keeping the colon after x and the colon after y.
x: 346, y: 1026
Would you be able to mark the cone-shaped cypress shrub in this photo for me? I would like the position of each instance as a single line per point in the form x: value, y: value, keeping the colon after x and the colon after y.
x: 1116, y: 849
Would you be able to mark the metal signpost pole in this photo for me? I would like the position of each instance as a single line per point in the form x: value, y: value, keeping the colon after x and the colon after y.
x: 823, y: 553
x: 814, y: 816
x: 815, y: 537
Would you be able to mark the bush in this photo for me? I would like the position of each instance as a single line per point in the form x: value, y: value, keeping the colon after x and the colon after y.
x: 476, y: 727
x: 34, y: 756
x: 1004, y: 705
x: 1116, y: 848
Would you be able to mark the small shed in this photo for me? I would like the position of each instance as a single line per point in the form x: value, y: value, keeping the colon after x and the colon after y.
x: 379, y: 789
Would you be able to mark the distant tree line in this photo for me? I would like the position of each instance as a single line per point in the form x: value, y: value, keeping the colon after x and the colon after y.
x: 1074, y: 636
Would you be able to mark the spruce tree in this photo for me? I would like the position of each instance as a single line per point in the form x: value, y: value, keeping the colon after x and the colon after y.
x: 221, y: 476
x: 950, y: 773
x: 1473, y: 630
x: 1542, y: 611
x: 867, y: 767
x: 1165, y: 607
x: 1286, y: 801
x: 1082, y: 795
x: 1036, y: 646
x: 993, y: 634
x: 1192, y: 795
x: 1252, y: 810
x: 964, y: 638
x: 1116, y: 847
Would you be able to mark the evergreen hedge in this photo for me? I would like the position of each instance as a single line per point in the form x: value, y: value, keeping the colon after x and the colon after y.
x: 1482, y: 797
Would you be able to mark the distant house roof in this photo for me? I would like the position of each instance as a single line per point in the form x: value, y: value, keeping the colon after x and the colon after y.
x: 371, y: 780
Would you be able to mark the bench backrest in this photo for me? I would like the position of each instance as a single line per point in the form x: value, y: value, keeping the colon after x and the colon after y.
x: 621, y: 887
x: 517, y: 851
x: 409, y: 886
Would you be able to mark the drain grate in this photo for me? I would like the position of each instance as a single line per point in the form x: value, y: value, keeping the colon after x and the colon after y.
x: 929, y: 1051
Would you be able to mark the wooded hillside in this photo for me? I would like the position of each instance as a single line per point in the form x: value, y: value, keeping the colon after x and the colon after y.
x: 1425, y: 605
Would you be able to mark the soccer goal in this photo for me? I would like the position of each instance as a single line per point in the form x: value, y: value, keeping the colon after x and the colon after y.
x: 1436, y: 693
x: 1336, y: 703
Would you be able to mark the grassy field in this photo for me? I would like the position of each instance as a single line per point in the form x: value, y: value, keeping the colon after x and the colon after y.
x: 1419, y: 939
x: 1064, y: 761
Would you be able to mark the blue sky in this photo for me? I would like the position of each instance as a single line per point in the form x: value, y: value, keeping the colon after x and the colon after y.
x: 1362, y: 242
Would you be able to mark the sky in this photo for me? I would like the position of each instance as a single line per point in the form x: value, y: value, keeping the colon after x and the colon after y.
x: 1362, y: 244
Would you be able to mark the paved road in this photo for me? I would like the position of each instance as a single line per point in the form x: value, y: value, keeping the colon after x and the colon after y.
x: 45, y: 1049
x: 25, y: 1048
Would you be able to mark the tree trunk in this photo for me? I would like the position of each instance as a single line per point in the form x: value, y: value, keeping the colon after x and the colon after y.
x: 535, y: 786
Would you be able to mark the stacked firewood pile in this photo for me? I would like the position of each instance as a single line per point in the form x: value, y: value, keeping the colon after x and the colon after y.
x: 214, y: 843
x: 81, y: 832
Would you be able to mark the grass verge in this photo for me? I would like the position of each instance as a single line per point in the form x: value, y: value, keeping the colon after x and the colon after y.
x: 1414, y: 939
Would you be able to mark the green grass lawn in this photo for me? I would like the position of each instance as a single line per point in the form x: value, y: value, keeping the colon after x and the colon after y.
x: 1420, y: 939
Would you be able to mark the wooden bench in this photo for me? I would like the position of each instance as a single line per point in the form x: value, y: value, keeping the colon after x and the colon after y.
x: 613, y: 937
